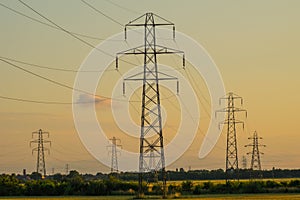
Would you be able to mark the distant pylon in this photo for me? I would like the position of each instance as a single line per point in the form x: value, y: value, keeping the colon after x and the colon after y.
x: 244, y: 162
x: 153, y: 176
x: 255, y: 154
x: 152, y: 163
x: 67, y: 169
x: 114, y: 154
x: 40, y: 162
x: 150, y: 75
x: 232, y: 166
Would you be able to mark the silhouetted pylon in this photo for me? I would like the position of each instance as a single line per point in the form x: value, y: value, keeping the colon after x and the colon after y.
x: 40, y: 162
x: 232, y: 166
x: 151, y: 117
x: 114, y: 154
x: 255, y: 154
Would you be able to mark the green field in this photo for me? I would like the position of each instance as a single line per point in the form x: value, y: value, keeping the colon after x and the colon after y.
x: 241, y: 180
x: 202, y: 197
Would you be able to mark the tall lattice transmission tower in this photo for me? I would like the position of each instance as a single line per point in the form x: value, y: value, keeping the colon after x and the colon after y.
x: 114, y: 154
x: 255, y: 154
x: 40, y: 149
x: 151, y: 118
x: 232, y: 166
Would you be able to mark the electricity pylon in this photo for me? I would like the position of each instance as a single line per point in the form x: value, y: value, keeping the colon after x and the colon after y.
x: 232, y: 166
x: 114, y: 157
x: 40, y: 162
x: 255, y: 154
x: 244, y: 162
x: 67, y: 169
x: 151, y: 119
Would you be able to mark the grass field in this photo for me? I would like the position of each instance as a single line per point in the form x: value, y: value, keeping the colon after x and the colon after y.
x: 202, y: 197
x: 241, y: 180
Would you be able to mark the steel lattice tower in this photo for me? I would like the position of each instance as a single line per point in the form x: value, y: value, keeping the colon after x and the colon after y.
x: 244, y: 162
x: 114, y: 157
x: 151, y: 119
x: 67, y: 169
x: 40, y: 162
x: 255, y: 154
x: 232, y: 166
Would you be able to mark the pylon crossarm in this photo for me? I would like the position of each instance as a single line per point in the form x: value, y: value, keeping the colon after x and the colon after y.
x: 169, y: 22
x: 141, y: 50
x: 239, y: 110
x: 136, y: 77
x: 222, y: 110
x: 163, y: 49
x: 235, y: 96
x: 34, y: 141
x: 240, y: 122
x: 34, y: 149
x: 230, y: 96
x: 132, y: 51
x: 34, y: 133
x: 231, y: 109
x: 47, y: 141
x: 151, y: 79
x: 131, y: 23
x: 167, y: 76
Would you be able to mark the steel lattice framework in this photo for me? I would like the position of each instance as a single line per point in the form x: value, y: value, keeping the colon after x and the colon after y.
x: 152, y: 156
x: 40, y: 141
x: 255, y: 154
x: 114, y: 154
x: 232, y: 166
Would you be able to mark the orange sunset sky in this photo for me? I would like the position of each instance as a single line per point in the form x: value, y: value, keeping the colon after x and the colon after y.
x: 255, y: 45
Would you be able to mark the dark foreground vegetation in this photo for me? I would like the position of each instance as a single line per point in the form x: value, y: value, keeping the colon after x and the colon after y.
x: 126, y: 184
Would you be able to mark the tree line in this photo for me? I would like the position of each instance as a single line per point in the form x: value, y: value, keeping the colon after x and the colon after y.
x: 71, y: 184
x: 219, y: 174
x: 126, y: 183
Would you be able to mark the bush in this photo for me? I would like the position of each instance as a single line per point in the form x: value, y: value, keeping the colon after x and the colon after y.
x: 187, y: 186
x: 294, y: 183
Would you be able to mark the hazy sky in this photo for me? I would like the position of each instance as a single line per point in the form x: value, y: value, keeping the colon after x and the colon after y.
x: 255, y: 45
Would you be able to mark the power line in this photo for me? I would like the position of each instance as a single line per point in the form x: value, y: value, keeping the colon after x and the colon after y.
x: 63, y: 29
x: 122, y: 7
x: 61, y: 85
x: 42, y: 102
x: 52, y: 68
x: 33, y: 101
x: 50, y: 80
x: 49, y: 25
x: 102, y: 13
x: 70, y: 33
x: 105, y: 15
x: 57, y: 102
x: 193, y: 82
